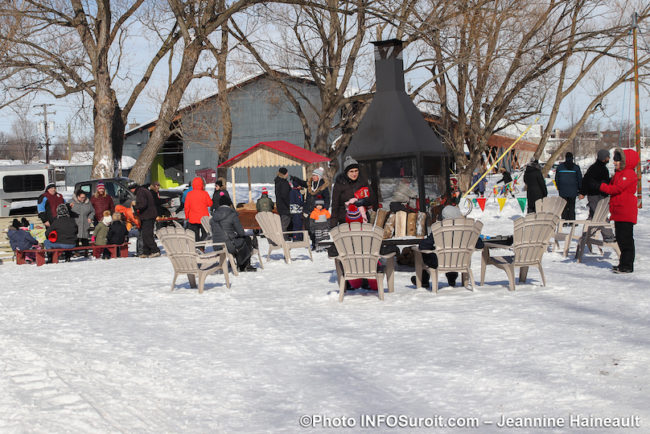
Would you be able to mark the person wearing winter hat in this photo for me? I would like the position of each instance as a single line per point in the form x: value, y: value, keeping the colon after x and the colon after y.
x: 227, y: 228
x: 47, y: 203
x: 350, y: 185
x: 65, y: 229
x: 316, y: 186
x: 197, y: 206
x: 535, y: 184
x: 220, y: 191
x: 353, y: 215
x: 282, y: 197
x: 594, y: 176
x: 319, y: 223
x: 21, y: 239
x: 568, y: 179
x: 623, y: 205
x: 264, y: 203
x: 145, y: 209
x: 101, y: 201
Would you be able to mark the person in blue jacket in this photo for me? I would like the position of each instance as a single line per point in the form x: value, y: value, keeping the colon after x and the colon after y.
x: 568, y: 179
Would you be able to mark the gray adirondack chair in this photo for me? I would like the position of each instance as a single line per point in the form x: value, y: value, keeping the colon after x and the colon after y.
x: 530, y: 241
x: 205, y: 222
x: 455, y: 241
x: 272, y: 229
x: 591, y: 234
x: 358, y: 246
x: 555, y: 205
x: 181, y: 250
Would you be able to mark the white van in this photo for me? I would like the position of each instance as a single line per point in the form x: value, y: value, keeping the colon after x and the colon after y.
x: 23, y: 182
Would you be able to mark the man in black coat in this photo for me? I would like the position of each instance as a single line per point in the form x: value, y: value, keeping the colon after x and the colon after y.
x: 535, y: 184
x: 282, y: 194
x: 145, y: 207
x: 597, y: 174
x: 568, y: 179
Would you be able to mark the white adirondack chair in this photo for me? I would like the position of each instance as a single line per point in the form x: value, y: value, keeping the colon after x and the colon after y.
x: 591, y: 234
x: 272, y: 230
x: 530, y: 240
x: 358, y: 246
x: 181, y: 250
x: 455, y: 241
x: 555, y: 205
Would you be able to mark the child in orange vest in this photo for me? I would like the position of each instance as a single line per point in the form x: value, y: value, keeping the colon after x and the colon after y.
x: 319, y: 226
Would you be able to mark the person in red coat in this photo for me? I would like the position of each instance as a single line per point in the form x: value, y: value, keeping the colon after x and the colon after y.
x: 623, y: 206
x: 101, y: 202
x: 197, y: 205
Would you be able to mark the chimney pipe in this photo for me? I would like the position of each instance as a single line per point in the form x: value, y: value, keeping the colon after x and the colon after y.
x: 389, y: 67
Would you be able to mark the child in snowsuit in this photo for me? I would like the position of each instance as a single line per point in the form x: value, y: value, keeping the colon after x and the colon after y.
x: 117, y: 234
x: 319, y: 224
x: 100, y: 234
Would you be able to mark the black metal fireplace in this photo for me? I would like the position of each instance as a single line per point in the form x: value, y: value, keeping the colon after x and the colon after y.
x: 396, y: 148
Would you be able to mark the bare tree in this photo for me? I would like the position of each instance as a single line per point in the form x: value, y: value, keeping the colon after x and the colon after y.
x: 589, y: 59
x: 63, y: 48
x: 196, y: 21
x: 322, y: 45
x: 494, y: 63
x: 23, y: 144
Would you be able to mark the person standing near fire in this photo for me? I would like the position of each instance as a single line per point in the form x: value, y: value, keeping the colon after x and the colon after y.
x: 349, y: 187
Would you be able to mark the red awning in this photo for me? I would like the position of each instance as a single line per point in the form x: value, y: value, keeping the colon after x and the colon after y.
x: 297, y: 154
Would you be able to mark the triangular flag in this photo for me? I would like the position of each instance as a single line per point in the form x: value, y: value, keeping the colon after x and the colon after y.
x: 522, y: 203
x: 481, y: 202
x: 474, y: 201
x: 502, y: 202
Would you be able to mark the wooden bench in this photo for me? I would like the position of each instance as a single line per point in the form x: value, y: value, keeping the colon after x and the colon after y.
x: 96, y: 251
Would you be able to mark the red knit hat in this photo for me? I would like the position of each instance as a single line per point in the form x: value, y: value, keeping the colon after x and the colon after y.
x: 353, y: 214
x: 264, y: 190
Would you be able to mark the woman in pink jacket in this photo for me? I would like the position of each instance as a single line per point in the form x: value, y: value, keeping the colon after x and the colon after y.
x: 623, y: 206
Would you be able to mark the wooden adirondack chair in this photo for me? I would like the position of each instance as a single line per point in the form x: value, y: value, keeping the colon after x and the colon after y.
x: 554, y: 205
x: 358, y: 246
x: 530, y: 241
x: 205, y: 222
x: 455, y: 241
x: 591, y: 234
x: 181, y: 250
x: 272, y: 230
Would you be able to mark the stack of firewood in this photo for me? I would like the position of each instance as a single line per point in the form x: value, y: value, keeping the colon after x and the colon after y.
x: 400, y: 223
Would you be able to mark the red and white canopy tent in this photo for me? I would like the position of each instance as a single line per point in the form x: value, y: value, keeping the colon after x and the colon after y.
x: 277, y: 153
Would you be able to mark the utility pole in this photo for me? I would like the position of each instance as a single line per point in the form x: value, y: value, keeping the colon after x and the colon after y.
x: 637, y: 115
x: 47, y: 137
x: 69, y: 144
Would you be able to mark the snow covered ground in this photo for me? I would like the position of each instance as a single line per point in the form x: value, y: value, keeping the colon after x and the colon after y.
x: 104, y: 346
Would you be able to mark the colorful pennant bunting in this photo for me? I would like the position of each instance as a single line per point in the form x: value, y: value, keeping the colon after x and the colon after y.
x: 502, y: 202
x: 522, y: 203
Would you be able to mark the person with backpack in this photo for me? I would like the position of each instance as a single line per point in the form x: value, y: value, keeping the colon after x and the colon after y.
x: 535, y: 184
